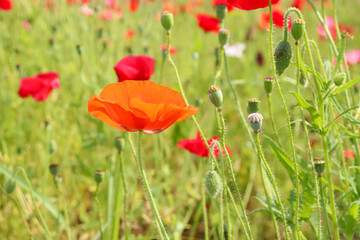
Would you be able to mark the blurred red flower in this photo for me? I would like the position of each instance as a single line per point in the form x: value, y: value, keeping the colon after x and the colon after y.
x: 250, y: 4
x: 129, y: 34
x: 218, y: 2
x: 5, y: 5
x: 139, y: 105
x: 278, y: 18
x: 349, y: 153
x: 299, y: 4
x: 353, y: 57
x: 208, y: 23
x: 40, y: 86
x: 198, y: 147
x: 135, y: 68
x: 134, y: 5
x: 330, y: 22
x: 172, y: 49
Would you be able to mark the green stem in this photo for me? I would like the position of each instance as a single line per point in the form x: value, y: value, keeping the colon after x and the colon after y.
x: 315, y: 46
x: 331, y: 188
x: 326, y: 218
x: 206, y: 225
x: 272, y: 179
x: 271, y: 115
x: 150, y: 197
x: 219, y: 71
x: 298, y: 61
x: 98, y: 204
x: 287, y: 119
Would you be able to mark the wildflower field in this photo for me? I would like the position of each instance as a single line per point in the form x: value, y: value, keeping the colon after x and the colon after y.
x: 179, y: 119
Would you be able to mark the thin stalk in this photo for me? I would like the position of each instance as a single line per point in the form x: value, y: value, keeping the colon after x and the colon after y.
x: 298, y: 61
x: 206, y: 225
x: 98, y: 204
x: 326, y: 218
x: 225, y: 196
x: 315, y: 46
x: 219, y: 71
x: 331, y: 188
x: 150, y: 197
x: 288, y: 123
x: 272, y: 117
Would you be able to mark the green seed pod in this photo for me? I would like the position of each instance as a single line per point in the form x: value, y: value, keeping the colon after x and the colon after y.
x: 216, y: 96
x: 253, y: 105
x: 54, y: 169
x: 119, y: 143
x: 167, y: 20
x: 268, y: 84
x: 282, y: 56
x: 298, y: 29
x: 319, y: 166
x: 303, y: 78
x: 9, y: 186
x: 98, y: 176
x: 223, y: 36
x: 221, y: 11
x: 339, y: 79
x: 213, y: 183
x: 255, y: 120
x: 52, y: 147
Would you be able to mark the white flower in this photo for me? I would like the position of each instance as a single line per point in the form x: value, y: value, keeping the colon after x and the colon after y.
x: 235, y: 50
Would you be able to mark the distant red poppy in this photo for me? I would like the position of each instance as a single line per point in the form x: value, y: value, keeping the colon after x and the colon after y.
x: 173, y: 50
x: 278, y: 19
x: 139, y: 105
x: 5, y: 5
x: 349, y: 153
x: 208, y: 23
x: 330, y: 22
x: 135, y: 68
x: 40, y: 86
x: 299, y: 4
x: 134, y: 5
x: 218, y: 2
x: 198, y: 147
x: 129, y: 34
x: 250, y: 4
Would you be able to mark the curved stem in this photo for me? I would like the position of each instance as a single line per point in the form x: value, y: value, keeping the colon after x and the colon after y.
x: 272, y: 179
x: 287, y: 118
x: 150, y: 197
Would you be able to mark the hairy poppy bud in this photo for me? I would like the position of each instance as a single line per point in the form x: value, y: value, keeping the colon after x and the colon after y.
x: 54, y: 169
x: 339, y: 79
x: 303, y: 78
x: 253, y: 105
x: 223, y: 36
x: 98, y: 176
x: 119, y: 143
x: 221, y: 11
x: 167, y: 20
x: 9, y: 186
x: 268, y: 84
x: 213, y: 183
x: 255, y: 120
x: 298, y: 29
x: 216, y: 96
x: 282, y: 56
x: 319, y: 166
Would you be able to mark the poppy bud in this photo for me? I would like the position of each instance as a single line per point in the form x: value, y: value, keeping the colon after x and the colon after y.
x: 213, y: 183
x: 52, y: 147
x: 98, y: 176
x: 303, y: 78
x: 221, y: 11
x: 268, y: 84
x: 9, y: 186
x: 167, y: 20
x: 54, y: 169
x: 119, y: 143
x: 255, y: 120
x: 216, y: 96
x: 78, y: 49
x: 298, y: 29
x: 223, y: 36
x: 319, y: 166
x: 339, y: 79
x: 282, y: 56
x: 253, y: 105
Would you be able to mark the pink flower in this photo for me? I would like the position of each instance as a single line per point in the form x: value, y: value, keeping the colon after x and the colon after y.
x: 40, y: 86
x: 353, y: 57
x: 331, y: 26
x: 86, y: 10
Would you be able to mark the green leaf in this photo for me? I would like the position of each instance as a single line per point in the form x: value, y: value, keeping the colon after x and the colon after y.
x: 349, y: 117
x: 346, y: 86
x: 315, y: 116
x: 328, y: 127
x: 351, y: 134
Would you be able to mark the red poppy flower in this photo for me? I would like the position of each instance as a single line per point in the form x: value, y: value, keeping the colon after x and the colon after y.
x: 173, y: 50
x: 278, y: 19
x: 134, y: 5
x: 135, y: 68
x: 5, y: 5
x: 299, y: 4
x: 208, y: 23
x: 198, y: 147
x: 250, y: 4
x: 330, y: 22
x: 139, y: 105
x: 349, y: 153
x: 40, y: 86
x: 129, y: 34
x: 218, y: 2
